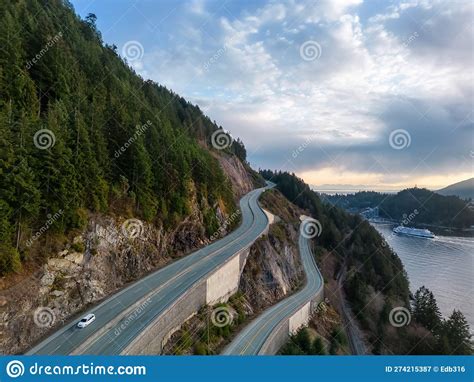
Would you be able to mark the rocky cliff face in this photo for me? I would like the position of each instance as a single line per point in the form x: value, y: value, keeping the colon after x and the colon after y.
x: 238, y: 173
x: 273, y: 269
x: 272, y: 272
x: 108, y: 254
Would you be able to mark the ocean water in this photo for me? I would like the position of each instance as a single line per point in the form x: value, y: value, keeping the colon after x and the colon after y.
x: 443, y: 264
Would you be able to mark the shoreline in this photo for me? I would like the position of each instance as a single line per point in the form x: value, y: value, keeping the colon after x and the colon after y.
x: 437, y: 230
x: 423, y: 259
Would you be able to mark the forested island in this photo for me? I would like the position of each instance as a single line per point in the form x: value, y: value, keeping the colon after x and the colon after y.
x: 426, y: 207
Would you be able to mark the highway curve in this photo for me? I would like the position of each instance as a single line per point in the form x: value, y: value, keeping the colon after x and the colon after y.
x: 162, y: 288
x: 251, y: 339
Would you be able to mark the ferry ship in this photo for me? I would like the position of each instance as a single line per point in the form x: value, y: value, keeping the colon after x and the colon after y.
x: 401, y: 230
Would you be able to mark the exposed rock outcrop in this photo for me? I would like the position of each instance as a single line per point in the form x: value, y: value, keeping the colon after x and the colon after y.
x: 237, y: 173
x: 273, y: 270
x: 104, y: 257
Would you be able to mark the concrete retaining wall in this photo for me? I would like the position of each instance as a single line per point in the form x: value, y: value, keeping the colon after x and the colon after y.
x: 299, y: 319
x: 224, y: 282
x: 276, y: 340
x: 218, y: 287
x: 154, y: 337
x: 282, y: 332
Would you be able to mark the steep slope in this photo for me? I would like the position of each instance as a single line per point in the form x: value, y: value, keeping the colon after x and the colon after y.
x: 104, y: 176
x: 272, y: 272
x: 359, y: 267
x: 463, y: 189
x: 80, y: 132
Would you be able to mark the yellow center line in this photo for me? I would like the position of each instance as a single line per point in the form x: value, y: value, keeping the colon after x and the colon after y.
x: 265, y: 325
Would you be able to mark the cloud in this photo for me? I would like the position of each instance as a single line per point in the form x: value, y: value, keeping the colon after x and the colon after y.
x: 388, y: 69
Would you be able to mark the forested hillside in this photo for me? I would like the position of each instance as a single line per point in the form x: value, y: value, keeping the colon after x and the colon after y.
x: 80, y: 131
x: 428, y: 207
x: 376, y: 286
x: 344, y: 233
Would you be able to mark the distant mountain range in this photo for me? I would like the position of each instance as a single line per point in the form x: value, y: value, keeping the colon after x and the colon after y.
x: 464, y: 189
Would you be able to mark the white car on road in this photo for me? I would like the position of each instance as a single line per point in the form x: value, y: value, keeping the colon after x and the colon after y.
x: 86, y: 320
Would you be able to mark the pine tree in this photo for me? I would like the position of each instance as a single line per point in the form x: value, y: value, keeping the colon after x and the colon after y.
x: 90, y: 100
x: 318, y: 347
x: 456, y: 332
x: 425, y: 309
x: 303, y: 341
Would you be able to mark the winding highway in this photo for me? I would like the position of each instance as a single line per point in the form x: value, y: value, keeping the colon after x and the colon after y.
x: 157, y: 291
x: 252, y: 338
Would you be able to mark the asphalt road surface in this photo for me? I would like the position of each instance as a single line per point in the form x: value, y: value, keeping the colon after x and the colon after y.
x: 158, y: 291
x: 251, y: 339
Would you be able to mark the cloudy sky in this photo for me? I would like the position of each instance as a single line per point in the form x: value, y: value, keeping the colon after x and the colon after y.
x: 371, y: 94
